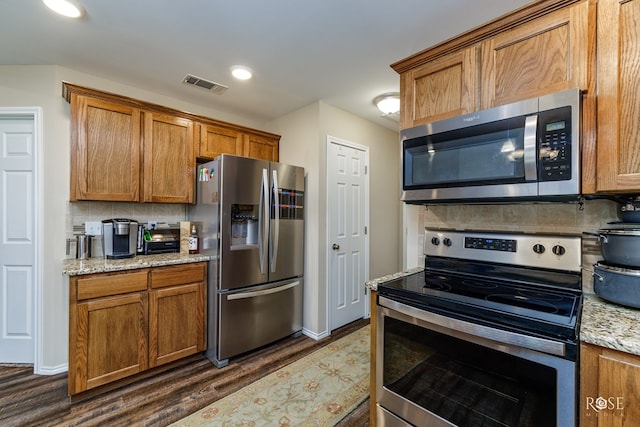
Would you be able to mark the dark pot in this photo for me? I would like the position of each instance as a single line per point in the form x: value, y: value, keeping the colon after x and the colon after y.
x: 630, y: 210
x: 620, y: 246
x: 617, y: 284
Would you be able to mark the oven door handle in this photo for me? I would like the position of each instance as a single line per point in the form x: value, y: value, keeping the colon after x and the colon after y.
x: 497, y: 335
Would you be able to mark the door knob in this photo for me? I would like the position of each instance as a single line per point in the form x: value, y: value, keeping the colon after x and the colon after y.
x: 335, y: 247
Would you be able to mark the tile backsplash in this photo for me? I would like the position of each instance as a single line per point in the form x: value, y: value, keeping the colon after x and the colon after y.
x: 80, y: 212
x: 572, y: 218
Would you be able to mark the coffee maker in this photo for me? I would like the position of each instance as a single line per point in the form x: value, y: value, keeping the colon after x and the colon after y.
x: 119, y: 238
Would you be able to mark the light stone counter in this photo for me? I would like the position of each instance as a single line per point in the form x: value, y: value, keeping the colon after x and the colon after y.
x: 610, y: 325
x: 373, y: 284
x: 75, y: 267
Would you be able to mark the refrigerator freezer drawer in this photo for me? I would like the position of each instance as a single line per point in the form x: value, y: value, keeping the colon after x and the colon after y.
x: 257, y: 316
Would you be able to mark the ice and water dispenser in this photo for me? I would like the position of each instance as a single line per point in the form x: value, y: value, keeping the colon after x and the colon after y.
x: 244, y: 224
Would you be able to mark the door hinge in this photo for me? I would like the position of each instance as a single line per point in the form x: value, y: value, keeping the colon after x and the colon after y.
x: 365, y: 229
x: 366, y: 168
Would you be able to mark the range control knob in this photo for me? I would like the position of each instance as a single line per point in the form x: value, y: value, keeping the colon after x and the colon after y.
x: 447, y: 241
x: 435, y: 241
x: 558, y: 250
x: 538, y: 248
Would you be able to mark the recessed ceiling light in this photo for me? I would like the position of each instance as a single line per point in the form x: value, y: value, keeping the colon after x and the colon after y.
x: 241, y: 72
x: 68, y: 8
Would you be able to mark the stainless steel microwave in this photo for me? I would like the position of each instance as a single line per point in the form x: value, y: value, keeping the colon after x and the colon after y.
x: 528, y: 150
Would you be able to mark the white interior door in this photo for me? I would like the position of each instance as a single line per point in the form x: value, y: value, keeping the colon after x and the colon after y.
x: 17, y: 234
x: 347, y: 205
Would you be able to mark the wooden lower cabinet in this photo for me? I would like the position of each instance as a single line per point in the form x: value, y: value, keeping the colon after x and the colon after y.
x: 120, y: 325
x: 609, y: 387
x: 176, y: 313
x: 110, y: 341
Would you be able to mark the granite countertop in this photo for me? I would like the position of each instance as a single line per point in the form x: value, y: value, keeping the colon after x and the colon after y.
x: 76, y: 267
x: 610, y: 325
x: 373, y: 284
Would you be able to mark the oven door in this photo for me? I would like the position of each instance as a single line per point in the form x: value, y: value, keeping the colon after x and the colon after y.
x: 438, y: 371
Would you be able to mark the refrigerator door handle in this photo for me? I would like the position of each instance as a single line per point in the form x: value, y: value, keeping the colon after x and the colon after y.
x: 264, y: 217
x: 244, y: 295
x: 275, y: 230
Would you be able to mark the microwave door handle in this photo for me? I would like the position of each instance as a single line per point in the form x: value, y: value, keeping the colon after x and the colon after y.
x: 530, y: 148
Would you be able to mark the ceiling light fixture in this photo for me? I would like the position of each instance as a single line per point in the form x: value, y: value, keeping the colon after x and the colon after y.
x: 68, y: 8
x: 388, y: 103
x: 241, y: 72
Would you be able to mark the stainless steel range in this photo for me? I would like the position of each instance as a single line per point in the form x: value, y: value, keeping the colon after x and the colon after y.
x: 486, y: 335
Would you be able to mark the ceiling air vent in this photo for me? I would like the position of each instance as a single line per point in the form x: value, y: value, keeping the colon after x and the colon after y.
x: 216, y: 88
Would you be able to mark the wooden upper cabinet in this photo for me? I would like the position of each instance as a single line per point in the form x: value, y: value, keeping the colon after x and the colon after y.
x: 169, y: 159
x: 439, y: 89
x: 216, y: 140
x: 547, y: 54
x: 105, y: 150
x: 618, y: 133
x: 261, y: 147
x: 126, y: 150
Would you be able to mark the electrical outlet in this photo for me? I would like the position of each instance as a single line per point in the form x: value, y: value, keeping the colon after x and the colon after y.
x: 93, y: 228
x: 152, y: 225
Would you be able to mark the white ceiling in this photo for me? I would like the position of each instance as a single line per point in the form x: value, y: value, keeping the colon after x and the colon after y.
x: 336, y: 51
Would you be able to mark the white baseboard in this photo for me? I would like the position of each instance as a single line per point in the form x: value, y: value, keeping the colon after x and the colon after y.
x: 315, y: 336
x: 52, y: 370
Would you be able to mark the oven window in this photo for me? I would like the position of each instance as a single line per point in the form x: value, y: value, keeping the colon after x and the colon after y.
x: 465, y: 383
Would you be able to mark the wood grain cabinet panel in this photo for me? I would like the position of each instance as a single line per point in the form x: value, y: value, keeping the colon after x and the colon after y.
x: 107, y: 284
x: 545, y: 55
x: 618, y: 133
x: 110, y: 341
x: 176, y: 323
x: 609, y: 387
x: 443, y: 88
x: 217, y: 140
x: 105, y: 150
x: 261, y: 147
x: 169, y: 159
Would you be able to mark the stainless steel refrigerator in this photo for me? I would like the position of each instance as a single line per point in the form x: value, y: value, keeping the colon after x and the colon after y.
x: 251, y: 217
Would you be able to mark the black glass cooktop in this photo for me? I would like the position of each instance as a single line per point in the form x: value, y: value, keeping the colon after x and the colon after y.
x: 542, y: 302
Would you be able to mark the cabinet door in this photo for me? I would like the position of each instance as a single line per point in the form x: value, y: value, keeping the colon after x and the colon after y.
x: 542, y: 56
x: 105, y: 150
x: 618, y: 151
x: 261, y: 147
x: 610, y: 387
x: 109, y: 340
x: 169, y: 159
x: 442, y: 88
x: 216, y: 140
x: 176, y: 322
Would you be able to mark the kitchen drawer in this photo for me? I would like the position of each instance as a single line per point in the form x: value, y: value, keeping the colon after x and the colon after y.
x: 107, y: 284
x: 178, y: 275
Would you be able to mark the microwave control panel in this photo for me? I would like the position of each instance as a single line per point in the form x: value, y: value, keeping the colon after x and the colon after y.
x: 554, y: 144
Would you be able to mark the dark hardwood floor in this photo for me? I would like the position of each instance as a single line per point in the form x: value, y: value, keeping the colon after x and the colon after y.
x: 36, y: 400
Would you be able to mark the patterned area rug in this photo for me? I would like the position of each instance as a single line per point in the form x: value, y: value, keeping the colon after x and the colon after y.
x: 318, y: 390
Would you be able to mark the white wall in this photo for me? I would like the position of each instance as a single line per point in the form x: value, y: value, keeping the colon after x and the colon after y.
x: 304, y: 135
x: 42, y: 86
